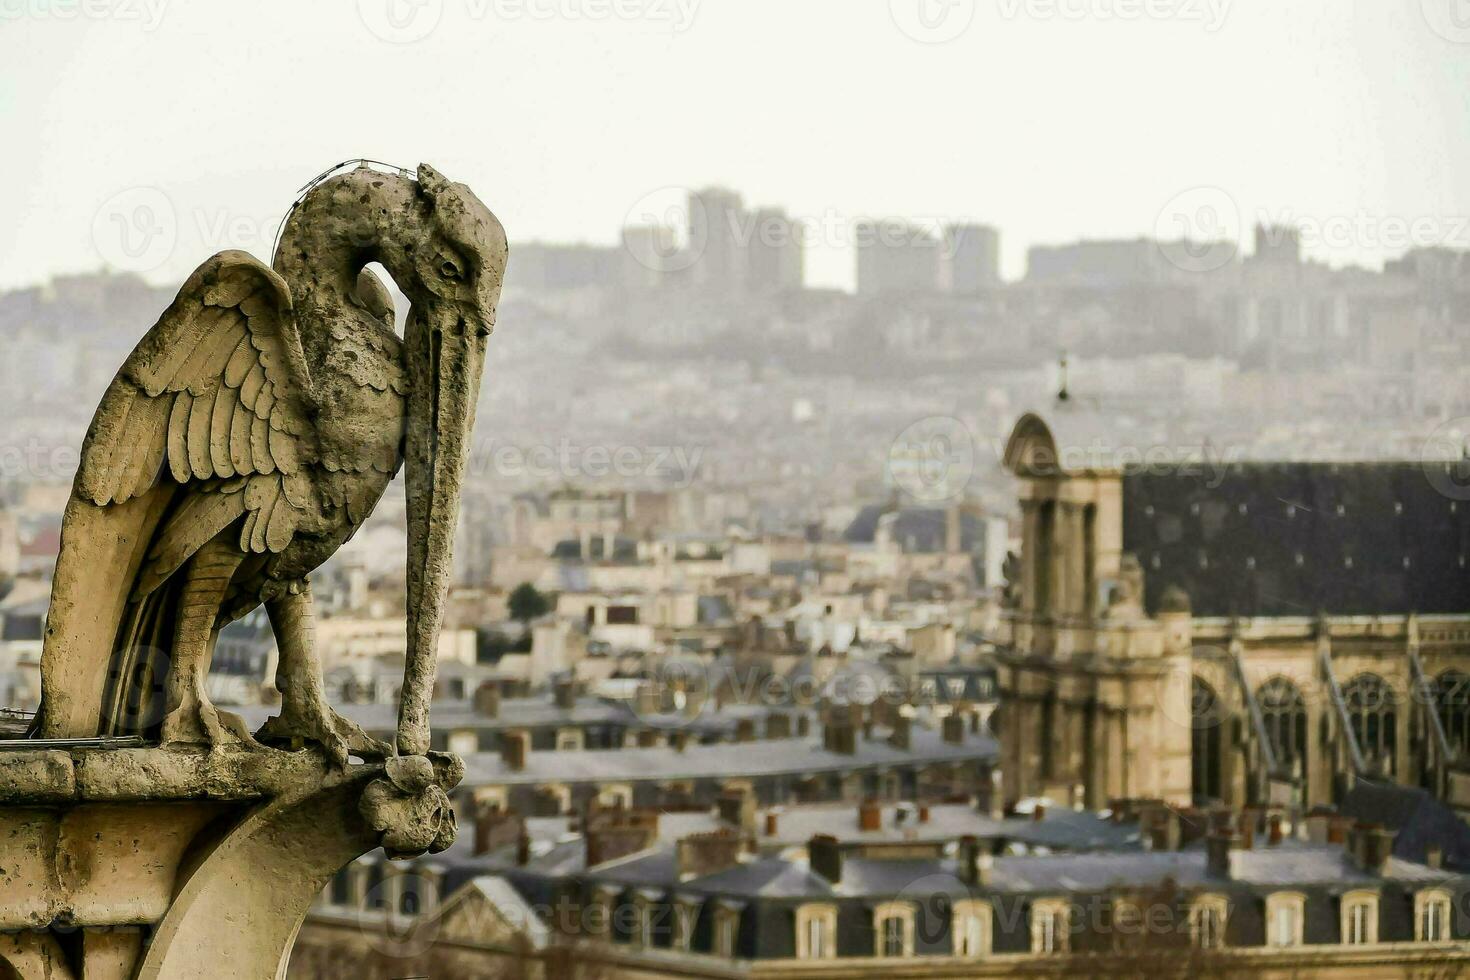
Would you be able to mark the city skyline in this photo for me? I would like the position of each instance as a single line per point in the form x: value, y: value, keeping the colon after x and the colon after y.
x: 1350, y: 142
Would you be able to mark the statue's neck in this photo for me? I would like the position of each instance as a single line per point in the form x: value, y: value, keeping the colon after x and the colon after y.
x: 340, y: 226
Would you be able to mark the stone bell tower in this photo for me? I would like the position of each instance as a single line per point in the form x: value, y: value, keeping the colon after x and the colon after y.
x: 1095, y: 692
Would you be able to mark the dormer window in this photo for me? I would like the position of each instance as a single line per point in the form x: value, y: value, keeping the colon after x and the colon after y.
x: 1284, y: 913
x: 893, y: 928
x: 1360, y: 918
x: 972, y: 930
x: 1207, y: 921
x: 1432, y: 916
x: 816, y: 932
x: 1049, y: 926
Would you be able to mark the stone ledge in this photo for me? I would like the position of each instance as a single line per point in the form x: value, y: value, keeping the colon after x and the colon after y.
x: 87, y: 775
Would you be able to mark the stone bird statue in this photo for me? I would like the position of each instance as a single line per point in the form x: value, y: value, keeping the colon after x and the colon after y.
x: 248, y: 437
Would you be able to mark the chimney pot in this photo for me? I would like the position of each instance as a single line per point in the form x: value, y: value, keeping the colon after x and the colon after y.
x: 1218, y: 847
x: 901, y: 736
x: 923, y: 813
x: 773, y: 824
x: 870, y: 816
x: 487, y: 699
x: 1275, y: 835
x: 824, y: 854
x: 513, y: 746
x: 1038, y: 812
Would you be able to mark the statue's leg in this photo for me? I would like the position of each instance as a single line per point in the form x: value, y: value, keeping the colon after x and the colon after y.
x: 191, y: 719
x: 305, y: 714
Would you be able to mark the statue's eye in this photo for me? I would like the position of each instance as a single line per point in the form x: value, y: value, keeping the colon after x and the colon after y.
x: 449, y: 270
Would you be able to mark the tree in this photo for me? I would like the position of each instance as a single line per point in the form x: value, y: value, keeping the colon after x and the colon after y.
x: 526, y: 603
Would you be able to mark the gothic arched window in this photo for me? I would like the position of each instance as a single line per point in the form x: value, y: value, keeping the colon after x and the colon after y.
x: 1284, y: 712
x: 1452, y: 701
x: 1373, y: 712
x: 1206, y: 718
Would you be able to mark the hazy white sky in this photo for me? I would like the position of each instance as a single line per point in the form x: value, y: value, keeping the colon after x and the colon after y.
x: 196, y: 123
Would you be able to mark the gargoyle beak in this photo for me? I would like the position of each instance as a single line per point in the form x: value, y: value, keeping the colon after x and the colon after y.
x: 446, y: 356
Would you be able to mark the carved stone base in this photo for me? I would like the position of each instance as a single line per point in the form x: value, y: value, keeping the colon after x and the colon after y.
x: 120, y: 864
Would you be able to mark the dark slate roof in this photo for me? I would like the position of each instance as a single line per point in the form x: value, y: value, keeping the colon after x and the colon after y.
x: 1295, y: 539
x: 1417, y: 817
x: 790, y: 757
x: 22, y: 626
x: 919, y: 529
x: 450, y: 715
x: 1058, y: 830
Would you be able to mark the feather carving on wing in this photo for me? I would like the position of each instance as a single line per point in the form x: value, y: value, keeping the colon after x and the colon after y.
x: 216, y: 395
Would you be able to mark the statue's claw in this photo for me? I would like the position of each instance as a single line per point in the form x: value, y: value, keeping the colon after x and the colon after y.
x: 195, y: 721
x: 318, y: 724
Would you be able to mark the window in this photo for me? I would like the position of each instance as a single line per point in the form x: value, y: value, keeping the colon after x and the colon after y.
x: 1373, y: 711
x: 1207, y: 921
x: 340, y: 893
x: 1207, y: 719
x: 893, y: 925
x: 971, y: 928
x: 1284, y: 919
x: 1049, y: 926
x: 1042, y: 562
x: 1284, y: 713
x: 725, y: 933
x: 1360, y: 917
x: 645, y: 922
x: 816, y: 932
x: 1432, y: 916
x: 1452, y: 697
x: 890, y: 936
x: 684, y: 917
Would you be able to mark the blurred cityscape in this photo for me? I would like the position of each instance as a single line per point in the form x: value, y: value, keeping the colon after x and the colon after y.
x: 697, y: 478
x: 679, y: 436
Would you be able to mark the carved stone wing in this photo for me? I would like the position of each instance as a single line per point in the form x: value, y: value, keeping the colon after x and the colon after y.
x: 214, y: 396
